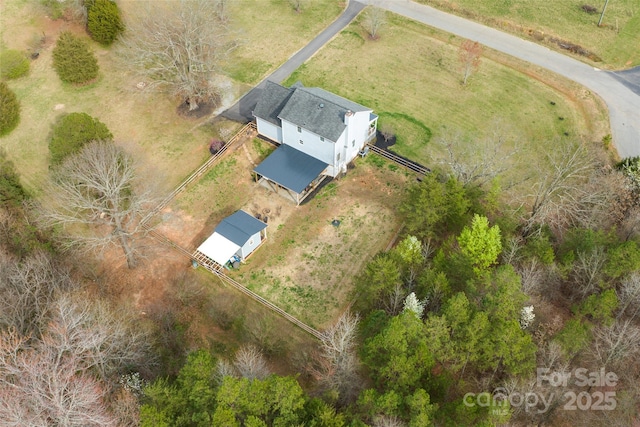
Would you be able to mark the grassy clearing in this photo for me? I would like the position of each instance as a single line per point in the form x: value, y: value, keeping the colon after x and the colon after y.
x: 271, y: 31
x: 615, y: 42
x: 412, y: 72
x: 306, y: 265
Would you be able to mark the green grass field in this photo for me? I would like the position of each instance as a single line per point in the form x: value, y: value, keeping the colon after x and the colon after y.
x: 271, y: 31
x: 166, y: 146
x: 411, y: 78
x: 616, y: 42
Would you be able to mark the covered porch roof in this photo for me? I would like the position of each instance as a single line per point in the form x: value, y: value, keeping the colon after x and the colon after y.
x: 291, y: 169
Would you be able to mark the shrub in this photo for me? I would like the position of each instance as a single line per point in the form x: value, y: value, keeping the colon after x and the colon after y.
x: 13, y: 64
x: 9, y: 109
x: 215, y: 145
x: 11, y: 192
x: 72, y: 132
x: 73, y: 61
x: 103, y: 21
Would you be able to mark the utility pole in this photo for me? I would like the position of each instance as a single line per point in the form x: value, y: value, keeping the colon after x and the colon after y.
x: 602, y: 14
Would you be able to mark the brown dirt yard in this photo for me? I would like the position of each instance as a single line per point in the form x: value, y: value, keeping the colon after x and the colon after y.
x: 306, y: 266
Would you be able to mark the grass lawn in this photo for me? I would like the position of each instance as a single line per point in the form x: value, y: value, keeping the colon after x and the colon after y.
x: 306, y: 265
x: 166, y: 146
x: 411, y: 78
x: 616, y: 42
x: 271, y: 31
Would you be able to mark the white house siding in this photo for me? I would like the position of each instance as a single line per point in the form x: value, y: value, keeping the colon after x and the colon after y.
x: 269, y: 130
x: 311, y: 143
x: 249, y: 246
x: 352, y: 141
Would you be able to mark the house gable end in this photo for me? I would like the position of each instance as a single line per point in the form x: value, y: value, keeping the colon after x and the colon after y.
x: 271, y: 102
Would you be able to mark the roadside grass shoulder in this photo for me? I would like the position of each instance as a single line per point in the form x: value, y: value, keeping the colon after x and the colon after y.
x: 615, y: 42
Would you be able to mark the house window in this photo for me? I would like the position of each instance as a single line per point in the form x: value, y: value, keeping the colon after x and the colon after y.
x: 338, y: 156
x: 301, y: 142
x: 299, y: 129
x: 353, y: 143
x: 322, y: 138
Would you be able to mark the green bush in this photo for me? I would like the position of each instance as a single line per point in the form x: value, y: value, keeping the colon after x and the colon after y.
x: 72, y: 132
x: 103, y: 21
x: 73, y: 61
x: 9, y: 109
x: 11, y: 192
x: 13, y: 64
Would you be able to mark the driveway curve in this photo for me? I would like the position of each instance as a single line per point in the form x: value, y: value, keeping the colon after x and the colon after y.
x: 620, y: 90
x: 242, y: 111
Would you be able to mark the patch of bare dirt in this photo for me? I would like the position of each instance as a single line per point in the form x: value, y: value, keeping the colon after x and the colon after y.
x: 204, y: 109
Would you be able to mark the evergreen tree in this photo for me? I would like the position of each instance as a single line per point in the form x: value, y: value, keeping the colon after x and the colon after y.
x: 73, y: 61
x: 103, y: 21
x: 72, y: 132
x: 9, y: 109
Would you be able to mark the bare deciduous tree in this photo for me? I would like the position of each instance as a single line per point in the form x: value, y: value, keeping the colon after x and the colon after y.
x: 531, y: 276
x: 95, y: 189
x: 629, y: 296
x: 225, y: 369
x: 586, y: 272
x: 388, y: 421
x: 45, y: 385
x: 614, y: 345
x: 469, y: 56
x: 28, y: 288
x: 482, y: 161
x: 104, y: 339
x: 393, y: 302
x: 569, y: 195
x: 338, y: 361
x: 373, y: 20
x: 550, y: 356
x: 251, y: 364
x: 179, y: 45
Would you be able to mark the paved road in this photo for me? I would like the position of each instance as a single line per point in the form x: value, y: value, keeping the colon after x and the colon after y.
x: 242, y: 110
x: 620, y: 91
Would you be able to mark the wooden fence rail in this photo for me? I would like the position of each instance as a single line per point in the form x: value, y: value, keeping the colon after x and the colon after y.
x: 268, y: 304
x: 414, y: 167
x: 198, y: 172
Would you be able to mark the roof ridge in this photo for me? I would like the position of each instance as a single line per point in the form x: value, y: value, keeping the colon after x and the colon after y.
x: 321, y: 97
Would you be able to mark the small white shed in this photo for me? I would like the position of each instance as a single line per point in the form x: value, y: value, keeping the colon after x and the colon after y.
x: 237, y: 235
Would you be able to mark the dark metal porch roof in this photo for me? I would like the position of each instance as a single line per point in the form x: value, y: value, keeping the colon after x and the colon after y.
x: 291, y: 168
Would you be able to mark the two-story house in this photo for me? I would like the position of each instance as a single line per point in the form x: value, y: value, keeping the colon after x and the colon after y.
x: 325, y: 131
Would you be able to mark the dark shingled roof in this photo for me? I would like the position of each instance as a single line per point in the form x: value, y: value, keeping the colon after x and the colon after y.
x: 271, y: 102
x: 313, y: 109
x: 239, y: 227
x: 291, y: 168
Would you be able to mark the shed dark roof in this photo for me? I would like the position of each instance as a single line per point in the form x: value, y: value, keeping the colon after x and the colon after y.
x: 271, y: 102
x: 312, y: 108
x: 239, y: 227
x: 291, y: 168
